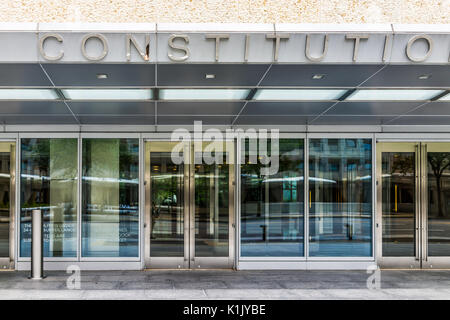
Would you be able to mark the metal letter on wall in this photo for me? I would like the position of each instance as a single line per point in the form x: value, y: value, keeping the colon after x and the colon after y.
x: 247, y: 44
x: 217, y: 37
x: 387, y: 41
x: 277, y: 38
x: 177, y: 47
x: 41, y: 46
x: 324, y: 51
x: 145, y: 54
x: 412, y: 41
x: 357, y: 38
x: 104, y: 43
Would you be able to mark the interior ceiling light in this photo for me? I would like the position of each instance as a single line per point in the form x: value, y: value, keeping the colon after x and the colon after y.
x: 424, y: 76
x: 210, y: 76
x: 298, y: 94
x: 318, y: 76
x: 28, y: 94
x: 394, y: 94
x: 102, y: 76
x: 203, y: 94
x: 107, y: 94
x: 445, y: 98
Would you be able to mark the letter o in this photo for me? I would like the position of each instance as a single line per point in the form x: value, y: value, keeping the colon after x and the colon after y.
x: 102, y: 39
x: 41, y: 46
x: 412, y: 41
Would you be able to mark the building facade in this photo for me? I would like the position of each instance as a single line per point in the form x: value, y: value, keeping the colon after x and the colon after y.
x: 246, y: 146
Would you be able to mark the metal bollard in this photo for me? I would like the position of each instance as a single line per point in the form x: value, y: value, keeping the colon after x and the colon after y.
x: 37, y: 247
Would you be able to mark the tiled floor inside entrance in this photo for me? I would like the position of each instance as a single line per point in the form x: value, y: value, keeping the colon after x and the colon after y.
x: 228, y: 284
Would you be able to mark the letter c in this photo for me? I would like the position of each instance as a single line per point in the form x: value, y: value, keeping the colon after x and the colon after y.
x: 41, y: 46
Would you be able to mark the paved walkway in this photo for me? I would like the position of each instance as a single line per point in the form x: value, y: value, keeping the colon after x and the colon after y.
x: 227, y: 284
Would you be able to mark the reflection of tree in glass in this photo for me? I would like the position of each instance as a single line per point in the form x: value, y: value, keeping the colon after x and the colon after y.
x: 439, y: 162
x: 402, y: 165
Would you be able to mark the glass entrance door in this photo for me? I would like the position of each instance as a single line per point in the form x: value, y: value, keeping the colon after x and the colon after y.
x: 7, y: 174
x: 189, y: 205
x: 413, y: 186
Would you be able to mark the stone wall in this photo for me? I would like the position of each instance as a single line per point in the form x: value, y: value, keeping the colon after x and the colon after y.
x: 230, y: 11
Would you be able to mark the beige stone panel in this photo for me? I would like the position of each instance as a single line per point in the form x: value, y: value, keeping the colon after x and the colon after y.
x: 257, y: 11
x: 145, y: 11
x: 105, y: 10
x: 230, y: 11
x: 20, y: 11
x: 290, y: 11
x: 425, y: 11
x: 367, y: 11
x: 52, y: 11
x: 197, y: 10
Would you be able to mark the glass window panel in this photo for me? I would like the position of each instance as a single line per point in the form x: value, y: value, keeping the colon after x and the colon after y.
x: 212, y: 208
x: 167, y: 206
x: 49, y: 173
x: 340, y: 191
x: 438, y: 203
x: 398, y: 203
x: 110, y: 198
x: 272, y: 206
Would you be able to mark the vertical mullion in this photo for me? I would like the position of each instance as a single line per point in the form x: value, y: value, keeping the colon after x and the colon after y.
x: 417, y: 203
x: 18, y: 198
x: 191, y: 204
x: 424, y: 204
x: 186, y: 205
x: 374, y: 194
x: 141, y: 203
x: 79, y: 197
x: 306, y: 197
x: 237, y: 190
x: 230, y: 147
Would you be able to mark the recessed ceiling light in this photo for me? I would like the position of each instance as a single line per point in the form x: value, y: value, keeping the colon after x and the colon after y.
x: 210, y: 76
x: 424, y: 76
x: 318, y: 76
x: 102, y: 76
x: 394, y: 94
x: 203, y: 94
x: 28, y: 94
x: 298, y: 94
x: 107, y: 94
x: 445, y: 98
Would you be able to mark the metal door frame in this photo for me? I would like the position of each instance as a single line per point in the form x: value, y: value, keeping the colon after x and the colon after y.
x: 421, y: 259
x: 398, y: 262
x: 213, y: 262
x: 189, y: 261
x: 165, y: 262
x: 428, y: 262
x: 8, y: 262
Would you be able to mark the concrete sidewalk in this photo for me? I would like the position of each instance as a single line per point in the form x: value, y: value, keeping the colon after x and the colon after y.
x: 228, y: 284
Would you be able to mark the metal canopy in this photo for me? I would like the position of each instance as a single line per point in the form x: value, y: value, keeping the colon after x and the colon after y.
x: 245, y: 112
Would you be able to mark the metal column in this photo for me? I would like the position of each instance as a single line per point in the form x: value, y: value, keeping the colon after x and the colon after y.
x: 37, y: 248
